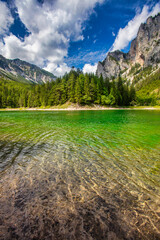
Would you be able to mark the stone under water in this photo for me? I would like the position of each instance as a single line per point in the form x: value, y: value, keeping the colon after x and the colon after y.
x: 80, y: 175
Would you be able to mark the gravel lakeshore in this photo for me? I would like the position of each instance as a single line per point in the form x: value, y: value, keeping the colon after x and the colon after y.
x: 79, y: 108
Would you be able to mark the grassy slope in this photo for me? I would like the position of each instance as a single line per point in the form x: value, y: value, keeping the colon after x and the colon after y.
x: 12, y: 77
x: 148, y: 90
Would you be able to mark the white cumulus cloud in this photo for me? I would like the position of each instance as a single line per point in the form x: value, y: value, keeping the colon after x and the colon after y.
x: 127, y: 34
x: 52, y: 25
x: 5, y: 18
x: 59, y: 70
x: 88, y: 68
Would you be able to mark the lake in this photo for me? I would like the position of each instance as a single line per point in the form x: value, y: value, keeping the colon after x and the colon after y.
x: 80, y: 175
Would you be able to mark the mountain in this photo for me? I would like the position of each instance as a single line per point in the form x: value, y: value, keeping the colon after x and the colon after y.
x: 144, y: 52
x: 22, y: 71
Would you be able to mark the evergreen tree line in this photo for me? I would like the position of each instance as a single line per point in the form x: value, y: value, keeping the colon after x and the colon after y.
x: 74, y: 87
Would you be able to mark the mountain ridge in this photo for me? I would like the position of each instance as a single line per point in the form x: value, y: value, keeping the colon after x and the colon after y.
x: 144, y: 50
x: 20, y: 70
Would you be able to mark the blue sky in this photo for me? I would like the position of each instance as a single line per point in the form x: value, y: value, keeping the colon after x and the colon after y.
x: 59, y: 34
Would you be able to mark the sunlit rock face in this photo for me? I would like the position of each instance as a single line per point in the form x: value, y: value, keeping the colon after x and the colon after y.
x: 145, y: 50
x: 114, y: 63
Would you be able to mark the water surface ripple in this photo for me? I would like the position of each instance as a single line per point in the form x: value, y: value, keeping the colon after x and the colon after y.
x: 80, y: 175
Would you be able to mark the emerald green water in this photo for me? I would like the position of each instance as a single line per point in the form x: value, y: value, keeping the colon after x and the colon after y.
x: 80, y: 175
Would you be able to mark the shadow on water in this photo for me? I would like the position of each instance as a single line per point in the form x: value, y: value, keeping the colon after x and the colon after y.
x: 81, y: 184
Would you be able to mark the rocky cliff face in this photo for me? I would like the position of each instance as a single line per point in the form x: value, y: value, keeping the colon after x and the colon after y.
x: 114, y: 63
x: 24, y: 70
x: 145, y: 50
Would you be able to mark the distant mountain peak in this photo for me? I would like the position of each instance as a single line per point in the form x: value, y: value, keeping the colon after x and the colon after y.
x: 24, y: 71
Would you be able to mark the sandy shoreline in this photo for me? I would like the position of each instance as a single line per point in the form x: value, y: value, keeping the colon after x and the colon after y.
x: 85, y: 108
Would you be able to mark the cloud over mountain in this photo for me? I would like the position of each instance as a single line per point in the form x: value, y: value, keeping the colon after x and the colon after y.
x: 129, y: 32
x: 51, y: 26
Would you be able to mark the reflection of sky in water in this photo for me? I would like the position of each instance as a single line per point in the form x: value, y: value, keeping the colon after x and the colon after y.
x: 80, y: 175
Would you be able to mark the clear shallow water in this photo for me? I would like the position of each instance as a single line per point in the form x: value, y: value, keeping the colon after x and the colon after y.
x: 80, y: 175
